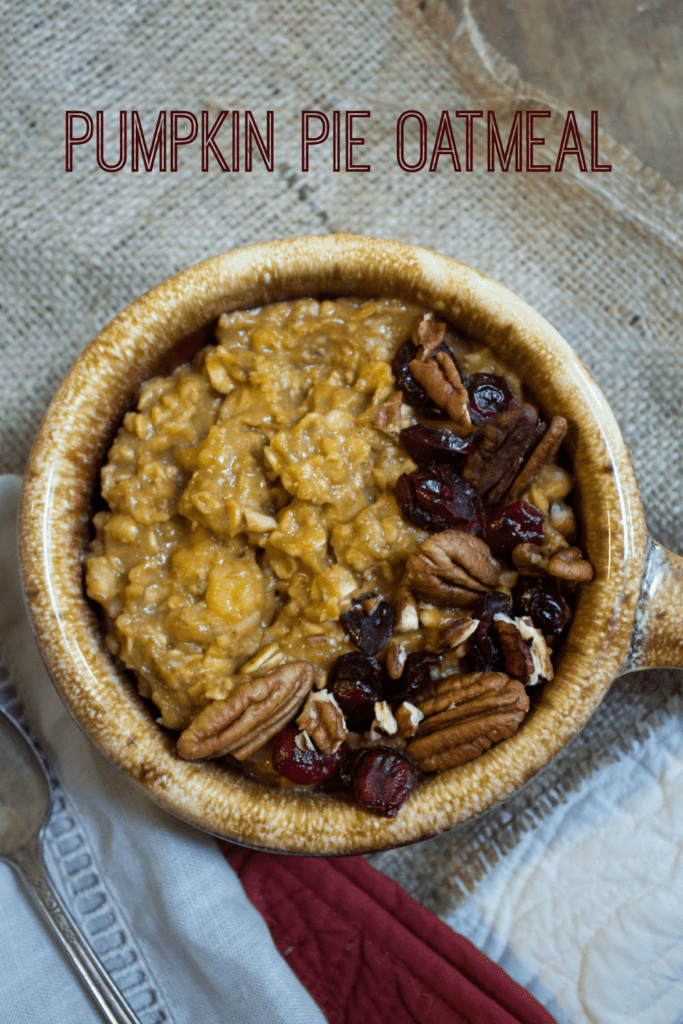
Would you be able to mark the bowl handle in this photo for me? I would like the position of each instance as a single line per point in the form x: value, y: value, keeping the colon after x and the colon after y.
x: 658, y: 635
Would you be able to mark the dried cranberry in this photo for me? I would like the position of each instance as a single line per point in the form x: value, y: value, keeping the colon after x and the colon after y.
x: 437, y: 499
x: 429, y: 446
x: 369, y: 630
x: 348, y: 766
x: 489, y: 395
x: 542, y: 601
x: 413, y: 392
x: 495, y: 602
x: 356, y: 682
x: 518, y: 523
x: 415, y: 677
x: 383, y: 779
x: 303, y: 766
x: 486, y: 650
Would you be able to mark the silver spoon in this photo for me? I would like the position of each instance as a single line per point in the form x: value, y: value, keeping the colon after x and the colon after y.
x: 25, y: 809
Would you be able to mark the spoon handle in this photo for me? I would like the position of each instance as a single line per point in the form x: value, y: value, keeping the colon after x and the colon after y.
x: 31, y: 869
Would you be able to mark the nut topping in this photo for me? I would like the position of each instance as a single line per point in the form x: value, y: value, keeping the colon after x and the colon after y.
x: 396, y: 659
x: 464, y: 716
x: 569, y: 564
x: 518, y: 661
x: 452, y: 568
x: 565, y: 564
x: 553, y: 540
x: 529, y: 560
x: 408, y: 718
x: 304, y: 742
x: 428, y: 333
x: 323, y: 720
x: 384, y: 718
x: 454, y: 632
x: 388, y: 416
x: 563, y: 519
x: 546, y: 449
x: 268, y: 657
x: 503, y: 448
x: 407, y: 618
x: 527, y: 655
x: 250, y: 716
x: 440, y: 378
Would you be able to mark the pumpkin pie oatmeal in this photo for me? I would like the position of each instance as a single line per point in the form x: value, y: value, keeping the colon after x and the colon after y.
x: 341, y: 529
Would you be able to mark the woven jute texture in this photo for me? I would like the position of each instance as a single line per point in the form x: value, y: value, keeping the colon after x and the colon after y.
x: 598, y: 254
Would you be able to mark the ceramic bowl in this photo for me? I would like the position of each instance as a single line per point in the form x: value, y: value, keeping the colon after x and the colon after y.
x: 629, y: 615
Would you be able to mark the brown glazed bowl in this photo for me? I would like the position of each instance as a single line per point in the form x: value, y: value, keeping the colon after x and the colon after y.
x: 630, y: 615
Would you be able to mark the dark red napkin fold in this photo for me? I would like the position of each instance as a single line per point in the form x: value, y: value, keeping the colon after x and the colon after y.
x: 368, y: 952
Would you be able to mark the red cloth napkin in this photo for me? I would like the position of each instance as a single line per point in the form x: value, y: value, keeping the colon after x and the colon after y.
x: 368, y: 952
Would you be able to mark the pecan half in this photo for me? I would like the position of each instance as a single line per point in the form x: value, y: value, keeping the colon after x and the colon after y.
x: 428, y: 333
x: 518, y: 661
x: 546, y: 449
x: 492, y: 467
x: 552, y: 539
x: 452, y: 568
x: 437, y: 373
x: 569, y: 564
x: 529, y: 560
x: 565, y: 564
x: 250, y: 716
x: 526, y: 653
x: 323, y: 720
x: 455, y: 632
x: 464, y: 716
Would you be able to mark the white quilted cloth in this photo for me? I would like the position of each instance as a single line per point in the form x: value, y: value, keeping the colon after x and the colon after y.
x: 589, y: 907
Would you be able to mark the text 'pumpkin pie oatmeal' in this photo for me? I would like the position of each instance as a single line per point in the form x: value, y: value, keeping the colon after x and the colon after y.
x: 338, y: 547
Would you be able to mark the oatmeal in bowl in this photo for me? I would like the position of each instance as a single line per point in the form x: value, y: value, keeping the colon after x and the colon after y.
x: 339, y: 591
x: 338, y: 547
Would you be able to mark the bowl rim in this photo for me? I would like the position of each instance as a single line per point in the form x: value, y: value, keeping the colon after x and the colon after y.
x: 75, y: 435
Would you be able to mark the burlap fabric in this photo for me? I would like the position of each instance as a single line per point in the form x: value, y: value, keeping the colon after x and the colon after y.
x: 598, y: 254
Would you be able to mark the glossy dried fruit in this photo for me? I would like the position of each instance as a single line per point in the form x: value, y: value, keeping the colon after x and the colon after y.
x: 348, y: 766
x: 369, y: 630
x: 301, y: 764
x: 356, y: 681
x: 383, y: 779
x: 438, y: 499
x: 429, y: 446
x: 488, y: 396
x: 541, y: 600
x: 486, y: 649
x: 415, y: 677
x: 517, y: 523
